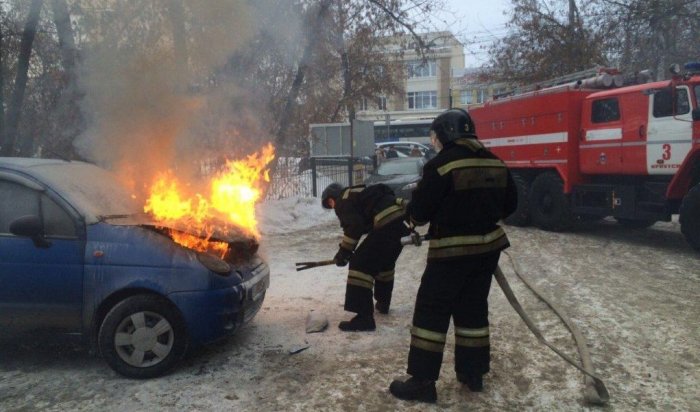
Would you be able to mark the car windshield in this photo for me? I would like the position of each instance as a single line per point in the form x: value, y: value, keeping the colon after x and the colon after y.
x: 409, y: 167
x: 94, y: 190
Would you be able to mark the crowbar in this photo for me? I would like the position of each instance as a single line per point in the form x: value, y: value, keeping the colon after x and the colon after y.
x: 309, y: 265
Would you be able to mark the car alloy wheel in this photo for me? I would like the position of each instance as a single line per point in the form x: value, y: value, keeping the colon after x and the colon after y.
x: 144, y: 339
x: 143, y: 336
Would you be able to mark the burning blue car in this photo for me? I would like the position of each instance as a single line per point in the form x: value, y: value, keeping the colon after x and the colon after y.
x: 78, y: 257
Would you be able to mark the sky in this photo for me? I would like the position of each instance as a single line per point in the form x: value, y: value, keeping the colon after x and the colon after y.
x: 477, y: 23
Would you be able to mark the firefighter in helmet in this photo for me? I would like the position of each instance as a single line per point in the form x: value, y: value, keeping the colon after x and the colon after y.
x: 375, y: 211
x: 464, y: 192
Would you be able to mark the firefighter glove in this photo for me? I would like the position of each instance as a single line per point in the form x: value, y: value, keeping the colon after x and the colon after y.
x: 342, y: 257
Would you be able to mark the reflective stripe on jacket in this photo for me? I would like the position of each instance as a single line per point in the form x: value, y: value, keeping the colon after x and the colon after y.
x: 464, y: 192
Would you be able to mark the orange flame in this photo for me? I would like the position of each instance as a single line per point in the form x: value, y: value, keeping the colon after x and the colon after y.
x: 230, y: 201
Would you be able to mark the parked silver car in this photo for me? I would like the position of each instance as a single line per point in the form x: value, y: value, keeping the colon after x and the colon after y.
x: 401, y: 175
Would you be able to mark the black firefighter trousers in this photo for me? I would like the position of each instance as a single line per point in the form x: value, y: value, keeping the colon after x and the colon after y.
x: 372, y: 268
x: 459, y: 289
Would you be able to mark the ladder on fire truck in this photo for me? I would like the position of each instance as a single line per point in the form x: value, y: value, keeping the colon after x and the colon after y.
x: 598, y: 77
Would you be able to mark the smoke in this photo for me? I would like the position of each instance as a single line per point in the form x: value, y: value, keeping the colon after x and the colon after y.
x: 151, y: 94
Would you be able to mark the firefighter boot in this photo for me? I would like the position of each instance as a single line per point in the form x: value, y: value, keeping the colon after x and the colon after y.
x: 414, y: 389
x: 358, y: 323
x: 382, y: 307
x: 475, y: 383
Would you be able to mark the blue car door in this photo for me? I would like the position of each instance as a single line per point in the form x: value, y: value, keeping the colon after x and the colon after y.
x: 41, y: 285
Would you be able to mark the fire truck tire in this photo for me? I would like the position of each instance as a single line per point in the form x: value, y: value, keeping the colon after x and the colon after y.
x: 550, y: 207
x: 521, y: 216
x: 690, y: 217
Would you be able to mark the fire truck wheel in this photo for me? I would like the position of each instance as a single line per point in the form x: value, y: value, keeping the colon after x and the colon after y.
x: 690, y: 217
x: 521, y: 216
x: 549, y: 206
x: 142, y: 337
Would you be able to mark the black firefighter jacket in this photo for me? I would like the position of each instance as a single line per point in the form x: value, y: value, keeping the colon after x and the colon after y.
x: 464, y: 192
x: 364, y: 208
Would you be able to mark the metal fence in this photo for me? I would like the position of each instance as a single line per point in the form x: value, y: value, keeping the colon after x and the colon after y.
x: 307, y: 177
x: 344, y: 170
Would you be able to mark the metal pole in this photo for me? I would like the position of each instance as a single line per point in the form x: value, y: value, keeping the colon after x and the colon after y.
x: 314, y: 189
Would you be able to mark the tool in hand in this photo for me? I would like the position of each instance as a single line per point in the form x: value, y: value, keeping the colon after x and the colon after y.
x: 309, y: 265
x: 414, y: 238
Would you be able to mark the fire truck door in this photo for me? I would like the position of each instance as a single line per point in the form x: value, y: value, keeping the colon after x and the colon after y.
x: 601, y: 145
x: 669, y: 134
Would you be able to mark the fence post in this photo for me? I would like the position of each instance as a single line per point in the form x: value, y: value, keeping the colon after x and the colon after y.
x: 313, y: 176
x: 351, y: 179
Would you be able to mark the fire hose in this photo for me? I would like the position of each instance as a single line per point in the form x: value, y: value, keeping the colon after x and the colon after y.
x: 595, y: 391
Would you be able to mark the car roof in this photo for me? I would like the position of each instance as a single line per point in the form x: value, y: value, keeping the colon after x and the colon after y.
x: 94, y: 191
x: 404, y: 143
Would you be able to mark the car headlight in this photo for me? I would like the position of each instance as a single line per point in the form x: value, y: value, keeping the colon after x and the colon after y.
x: 410, y: 186
x: 214, y: 264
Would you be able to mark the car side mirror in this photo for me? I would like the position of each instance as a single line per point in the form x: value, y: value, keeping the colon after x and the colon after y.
x: 30, y: 226
x: 696, y: 114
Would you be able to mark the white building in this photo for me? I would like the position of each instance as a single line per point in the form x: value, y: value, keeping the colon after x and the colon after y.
x: 428, y: 81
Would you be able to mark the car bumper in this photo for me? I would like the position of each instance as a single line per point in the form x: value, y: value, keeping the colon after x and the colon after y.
x: 213, y: 314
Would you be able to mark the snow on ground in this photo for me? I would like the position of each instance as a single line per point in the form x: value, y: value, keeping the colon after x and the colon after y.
x: 633, y: 293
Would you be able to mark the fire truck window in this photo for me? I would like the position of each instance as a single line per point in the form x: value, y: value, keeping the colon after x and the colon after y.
x: 605, y: 110
x: 663, y: 103
x: 682, y: 101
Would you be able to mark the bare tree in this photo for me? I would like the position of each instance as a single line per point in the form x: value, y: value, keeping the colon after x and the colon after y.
x: 15, y: 107
x: 651, y: 34
x: 547, y: 39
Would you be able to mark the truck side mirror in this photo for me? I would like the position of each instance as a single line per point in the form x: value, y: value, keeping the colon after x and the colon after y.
x: 30, y: 226
x: 696, y: 114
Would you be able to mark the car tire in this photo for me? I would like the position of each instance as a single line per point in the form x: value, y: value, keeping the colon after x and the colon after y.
x: 690, y: 217
x: 521, y: 216
x: 550, y: 207
x: 142, y: 337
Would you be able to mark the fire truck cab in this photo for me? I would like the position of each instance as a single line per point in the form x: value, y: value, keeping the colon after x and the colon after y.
x: 579, y: 153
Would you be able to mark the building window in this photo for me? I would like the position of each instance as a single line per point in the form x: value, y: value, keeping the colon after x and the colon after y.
x: 481, y: 95
x: 381, y: 103
x: 362, y: 104
x: 465, y: 97
x: 422, y: 100
x: 418, y: 68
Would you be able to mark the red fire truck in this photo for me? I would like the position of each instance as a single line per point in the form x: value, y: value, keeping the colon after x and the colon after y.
x: 579, y: 152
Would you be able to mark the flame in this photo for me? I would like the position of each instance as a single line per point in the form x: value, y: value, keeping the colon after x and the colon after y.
x: 229, y: 202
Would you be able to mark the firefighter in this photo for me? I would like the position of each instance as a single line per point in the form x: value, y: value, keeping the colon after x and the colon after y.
x: 464, y: 191
x: 375, y: 211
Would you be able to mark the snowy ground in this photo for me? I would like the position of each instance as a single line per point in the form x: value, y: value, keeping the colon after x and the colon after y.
x: 633, y: 293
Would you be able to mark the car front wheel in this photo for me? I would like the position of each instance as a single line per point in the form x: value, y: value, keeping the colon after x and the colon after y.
x: 142, y: 337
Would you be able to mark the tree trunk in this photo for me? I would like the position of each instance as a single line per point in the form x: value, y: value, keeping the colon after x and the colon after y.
x: 15, y: 108
x: 285, y: 116
x: 67, y: 108
x: 176, y: 10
